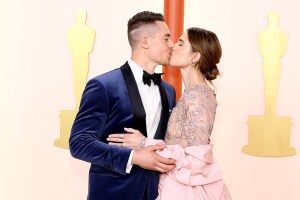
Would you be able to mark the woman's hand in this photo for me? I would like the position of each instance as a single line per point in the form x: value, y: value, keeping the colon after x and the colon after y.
x: 133, y: 139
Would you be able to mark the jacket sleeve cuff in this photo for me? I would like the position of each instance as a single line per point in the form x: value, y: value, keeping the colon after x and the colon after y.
x: 129, y: 165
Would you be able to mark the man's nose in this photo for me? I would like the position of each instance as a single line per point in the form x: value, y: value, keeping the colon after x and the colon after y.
x: 171, y: 44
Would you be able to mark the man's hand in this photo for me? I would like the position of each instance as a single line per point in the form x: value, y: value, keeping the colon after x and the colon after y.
x: 147, y: 158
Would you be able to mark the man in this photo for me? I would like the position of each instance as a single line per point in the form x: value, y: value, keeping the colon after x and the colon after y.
x: 119, y: 99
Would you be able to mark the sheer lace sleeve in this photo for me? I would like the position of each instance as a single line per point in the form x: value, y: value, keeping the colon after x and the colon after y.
x: 200, y: 119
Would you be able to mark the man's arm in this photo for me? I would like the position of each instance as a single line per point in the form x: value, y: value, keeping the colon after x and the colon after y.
x: 87, y: 129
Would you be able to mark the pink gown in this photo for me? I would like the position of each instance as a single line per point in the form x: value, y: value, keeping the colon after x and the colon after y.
x: 197, y: 176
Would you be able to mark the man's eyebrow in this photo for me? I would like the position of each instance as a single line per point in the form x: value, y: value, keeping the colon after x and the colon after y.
x: 168, y: 35
x: 180, y: 40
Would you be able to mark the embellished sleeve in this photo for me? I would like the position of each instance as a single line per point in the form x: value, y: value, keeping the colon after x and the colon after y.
x: 199, y: 120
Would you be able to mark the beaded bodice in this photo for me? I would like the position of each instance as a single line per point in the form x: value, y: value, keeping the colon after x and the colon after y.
x: 192, y: 119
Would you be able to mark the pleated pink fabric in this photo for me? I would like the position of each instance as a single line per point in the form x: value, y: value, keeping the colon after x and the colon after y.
x: 197, y: 176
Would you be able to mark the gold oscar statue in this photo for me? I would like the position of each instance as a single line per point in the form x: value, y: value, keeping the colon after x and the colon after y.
x: 269, y: 135
x: 80, y: 42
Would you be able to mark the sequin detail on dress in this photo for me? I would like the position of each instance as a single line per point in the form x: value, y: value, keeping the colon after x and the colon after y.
x: 192, y: 119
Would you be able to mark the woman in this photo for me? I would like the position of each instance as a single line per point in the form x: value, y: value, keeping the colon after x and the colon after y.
x: 197, y: 175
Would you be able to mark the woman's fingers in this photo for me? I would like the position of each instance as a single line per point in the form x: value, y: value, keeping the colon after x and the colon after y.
x: 131, y: 139
x: 112, y: 138
x: 132, y: 131
x: 116, y: 135
x: 116, y: 144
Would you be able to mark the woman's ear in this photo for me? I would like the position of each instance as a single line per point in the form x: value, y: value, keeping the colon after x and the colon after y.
x: 196, y: 57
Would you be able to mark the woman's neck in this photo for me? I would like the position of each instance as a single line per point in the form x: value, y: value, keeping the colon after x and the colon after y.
x: 192, y: 76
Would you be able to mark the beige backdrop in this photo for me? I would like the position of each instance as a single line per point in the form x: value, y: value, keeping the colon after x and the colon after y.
x: 36, y: 82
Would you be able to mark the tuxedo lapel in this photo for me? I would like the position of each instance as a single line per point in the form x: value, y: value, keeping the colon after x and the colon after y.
x: 164, y: 116
x: 138, y: 111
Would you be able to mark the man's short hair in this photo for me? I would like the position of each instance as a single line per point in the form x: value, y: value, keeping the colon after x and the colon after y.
x: 136, y: 23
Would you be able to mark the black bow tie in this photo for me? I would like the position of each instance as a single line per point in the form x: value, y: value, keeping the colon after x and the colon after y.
x: 155, y: 77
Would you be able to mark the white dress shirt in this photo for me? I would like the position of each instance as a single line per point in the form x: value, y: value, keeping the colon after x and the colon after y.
x: 151, y: 101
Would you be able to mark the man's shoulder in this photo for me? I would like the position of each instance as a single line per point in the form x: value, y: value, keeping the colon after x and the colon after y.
x: 110, y: 76
x: 167, y: 85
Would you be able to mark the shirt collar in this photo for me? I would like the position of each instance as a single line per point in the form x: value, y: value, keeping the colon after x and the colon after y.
x: 137, y: 71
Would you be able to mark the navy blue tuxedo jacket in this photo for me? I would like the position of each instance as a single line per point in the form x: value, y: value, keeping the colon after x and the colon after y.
x: 109, y: 103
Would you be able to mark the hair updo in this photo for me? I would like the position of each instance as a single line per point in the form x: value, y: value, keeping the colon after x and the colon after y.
x: 207, y: 44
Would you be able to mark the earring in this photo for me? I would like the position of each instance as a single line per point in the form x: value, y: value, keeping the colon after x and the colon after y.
x: 215, y: 90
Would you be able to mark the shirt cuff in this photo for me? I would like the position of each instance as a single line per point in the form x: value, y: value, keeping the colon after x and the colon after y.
x: 129, y: 165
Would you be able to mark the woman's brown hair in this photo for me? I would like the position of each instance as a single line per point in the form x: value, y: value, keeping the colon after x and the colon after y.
x: 207, y: 44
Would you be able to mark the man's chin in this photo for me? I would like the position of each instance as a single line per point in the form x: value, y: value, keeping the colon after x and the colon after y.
x: 171, y: 63
x: 165, y: 63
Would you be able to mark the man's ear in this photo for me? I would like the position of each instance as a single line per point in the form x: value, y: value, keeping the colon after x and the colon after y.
x: 144, y: 42
x: 196, y: 57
